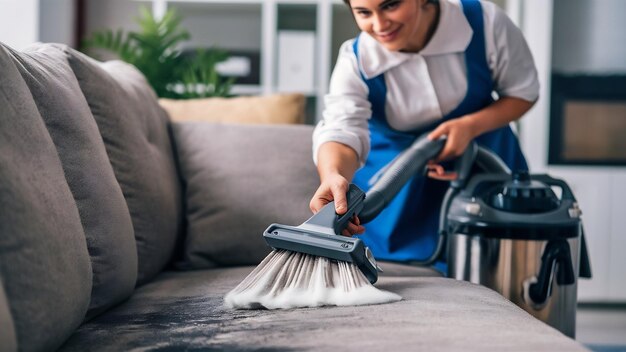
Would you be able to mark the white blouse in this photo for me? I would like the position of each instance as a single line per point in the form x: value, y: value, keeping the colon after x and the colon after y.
x: 425, y: 86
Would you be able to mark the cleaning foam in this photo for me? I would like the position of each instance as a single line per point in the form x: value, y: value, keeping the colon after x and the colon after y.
x: 288, y: 279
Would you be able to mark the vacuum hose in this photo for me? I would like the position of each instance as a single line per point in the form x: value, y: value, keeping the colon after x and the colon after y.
x: 397, y: 173
x: 411, y: 162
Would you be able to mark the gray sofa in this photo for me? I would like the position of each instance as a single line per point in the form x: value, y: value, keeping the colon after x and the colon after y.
x: 120, y: 231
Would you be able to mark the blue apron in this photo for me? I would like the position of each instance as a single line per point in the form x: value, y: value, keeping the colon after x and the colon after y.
x: 408, y: 228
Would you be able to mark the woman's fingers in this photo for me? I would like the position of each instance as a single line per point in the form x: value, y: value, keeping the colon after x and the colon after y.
x: 444, y: 130
x: 441, y: 130
x: 458, y: 135
x: 437, y: 172
x: 353, y: 228
x: 435, y: 169
x: 339, y: 195
x: 450, y: 149
x: 318, y: 201
x: 334, y: 189
x: 446, y: 176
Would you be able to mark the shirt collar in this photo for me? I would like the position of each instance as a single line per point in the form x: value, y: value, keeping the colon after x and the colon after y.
x: 453, y: 34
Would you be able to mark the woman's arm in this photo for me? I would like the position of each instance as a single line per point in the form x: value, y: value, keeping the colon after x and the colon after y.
x: 341, y: 139
x: 462, y: 130
x: 336, y: 165
x: 515, y: 80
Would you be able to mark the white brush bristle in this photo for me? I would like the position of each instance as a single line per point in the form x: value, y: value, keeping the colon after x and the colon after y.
x: 286, y: 279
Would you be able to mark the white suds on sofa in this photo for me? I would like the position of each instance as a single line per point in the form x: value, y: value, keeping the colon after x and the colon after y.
x: 290, y: 280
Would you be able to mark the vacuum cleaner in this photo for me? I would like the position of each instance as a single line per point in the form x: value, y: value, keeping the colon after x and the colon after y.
x: 511, y: 232
x: 506, y: 230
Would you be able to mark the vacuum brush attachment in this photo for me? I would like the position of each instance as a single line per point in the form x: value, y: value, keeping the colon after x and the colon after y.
x: 321, y: 236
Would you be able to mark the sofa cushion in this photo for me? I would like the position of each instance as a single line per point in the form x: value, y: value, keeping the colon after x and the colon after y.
x: 7, y: 333
x: 276, y: 108
x: 100, y: 202
x: 44, y: 262
x: 135, y: 132
x: 185, y: 311
x: 236, y: 186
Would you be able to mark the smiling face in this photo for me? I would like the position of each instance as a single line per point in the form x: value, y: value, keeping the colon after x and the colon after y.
x: 399, y: 25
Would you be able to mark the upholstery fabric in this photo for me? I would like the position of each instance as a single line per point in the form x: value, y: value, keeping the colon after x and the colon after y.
x: 136, y: 136
x: 237, y: 185
x: 276, y: 108
x: 101, y: 205
x: 44, y: 262
x: 185, y: 311
x: 7, y: 333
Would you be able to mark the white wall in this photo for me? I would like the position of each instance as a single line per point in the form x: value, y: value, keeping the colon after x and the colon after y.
x: 344, y: 28
x: 112, y: 14
x: 23, y: 22
x: 589, y: 36
x: 537, y: 27
x: 223, y: 26
x: 57, y: 21
x: 19, y: 22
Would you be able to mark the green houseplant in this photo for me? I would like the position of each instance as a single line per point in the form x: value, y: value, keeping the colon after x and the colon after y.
x: 155, y: 51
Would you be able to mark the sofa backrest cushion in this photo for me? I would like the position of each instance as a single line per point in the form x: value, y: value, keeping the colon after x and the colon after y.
x: 44, y: 262
x: 240, y: 179
x: 136, y: 136
x: 101, y: 205
x: 7, y: 333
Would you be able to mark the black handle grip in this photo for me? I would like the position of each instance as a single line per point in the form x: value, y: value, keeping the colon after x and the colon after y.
x: 550, y: 181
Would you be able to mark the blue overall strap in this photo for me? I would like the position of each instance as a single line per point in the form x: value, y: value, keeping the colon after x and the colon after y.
x: 479, y: 82
x: 502, y: 141
x: 377, y: 89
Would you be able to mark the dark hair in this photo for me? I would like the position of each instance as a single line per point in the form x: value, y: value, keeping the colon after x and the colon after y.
x: 347, y: 2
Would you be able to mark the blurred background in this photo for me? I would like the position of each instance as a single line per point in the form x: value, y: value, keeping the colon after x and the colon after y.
x: 576, y: 131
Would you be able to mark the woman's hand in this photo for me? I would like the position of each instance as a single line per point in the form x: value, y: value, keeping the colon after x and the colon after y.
x: 459, y: 132
x: 334, y: 187
x: 437, y: 172
x: 462, y: 130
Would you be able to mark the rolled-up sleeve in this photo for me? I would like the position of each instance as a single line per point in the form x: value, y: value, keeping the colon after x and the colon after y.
x: 515, y: 72
x: 346, y: 110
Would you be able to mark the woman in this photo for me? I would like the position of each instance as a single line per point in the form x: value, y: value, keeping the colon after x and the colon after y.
x: 417, y: 66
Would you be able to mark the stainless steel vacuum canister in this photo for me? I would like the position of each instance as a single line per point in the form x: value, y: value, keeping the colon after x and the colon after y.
x: 512, y: 233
